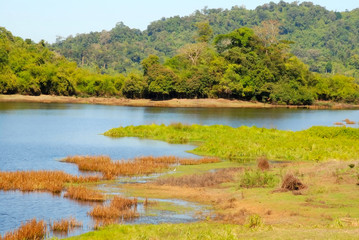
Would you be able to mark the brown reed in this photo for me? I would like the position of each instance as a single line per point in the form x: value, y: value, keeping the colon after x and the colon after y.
x: 52, y: 181
x: 338, y: 123
x: 347, y: 121
x: 65, y: 225
x: 84, y: 194
x: 138, y: 166
x: 32, y: 230
x: 118, y: 208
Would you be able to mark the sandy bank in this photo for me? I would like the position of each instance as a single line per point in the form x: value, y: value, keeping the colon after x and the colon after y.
x: 202, y: 103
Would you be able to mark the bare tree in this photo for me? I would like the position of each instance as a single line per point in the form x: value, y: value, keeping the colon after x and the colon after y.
x: 268, y: 32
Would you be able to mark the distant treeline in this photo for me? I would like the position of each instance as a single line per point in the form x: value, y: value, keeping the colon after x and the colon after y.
x: 240, y: 65
x: 327, y: 41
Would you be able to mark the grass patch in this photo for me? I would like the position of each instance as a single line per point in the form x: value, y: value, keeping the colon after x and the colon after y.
x: 65, y: 225
x: 201, y: 180
x: 204, y: 230
x: 138, y: 166
x: 84, y: 194
x: 119, y: 207
x: 51, y: 181
x: 249, y: 143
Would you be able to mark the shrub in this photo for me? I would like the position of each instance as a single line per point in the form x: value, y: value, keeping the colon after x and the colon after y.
x: 251, y: 179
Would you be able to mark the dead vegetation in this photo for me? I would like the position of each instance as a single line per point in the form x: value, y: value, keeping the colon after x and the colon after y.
x: 119, y: 207
x: 138, y: 166
x: 32, y: 230
x: 201, y: 180
x: 51, y: 181
x: 263, y: 163
x: 84, y: 194
x: 291, y: 183
x: 65, y: 225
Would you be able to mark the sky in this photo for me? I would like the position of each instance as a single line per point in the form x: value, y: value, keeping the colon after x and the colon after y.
x: 47, y: 19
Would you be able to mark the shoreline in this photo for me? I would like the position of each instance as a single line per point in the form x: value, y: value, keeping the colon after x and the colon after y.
x: 175, y: 103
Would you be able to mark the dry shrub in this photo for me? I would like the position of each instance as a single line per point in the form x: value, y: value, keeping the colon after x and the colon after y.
x: 201, y: 180
x: 32, y: 230
x: 52, y: 181
x: 84, y: 194
x: 65, y: 225
x: 292, y: 183
x: 138, y: 166
x: 263, y: 163
x: 338, y: 123
x: 118, y: 208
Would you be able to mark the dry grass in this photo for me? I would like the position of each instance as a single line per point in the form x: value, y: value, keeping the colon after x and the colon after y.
x: 339, y: 123
x: 65, y: 225
x: 263, y: 163
x: 138, y: 166
x: 52, y: 181
x: 84, y: 194
x: 201, y: 180
x: 118, y: 208
x: 203, y: 160
x: 32, y: 230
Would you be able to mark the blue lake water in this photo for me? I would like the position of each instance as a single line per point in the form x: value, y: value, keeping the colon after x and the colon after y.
x: 36, y: 136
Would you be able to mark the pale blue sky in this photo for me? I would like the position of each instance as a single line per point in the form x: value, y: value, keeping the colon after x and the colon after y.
x: 46, y: 19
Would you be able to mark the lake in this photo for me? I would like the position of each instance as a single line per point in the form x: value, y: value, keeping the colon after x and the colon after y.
x: 36, y: 136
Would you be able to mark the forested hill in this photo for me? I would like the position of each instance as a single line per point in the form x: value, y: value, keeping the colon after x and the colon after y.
x: 325, y: 40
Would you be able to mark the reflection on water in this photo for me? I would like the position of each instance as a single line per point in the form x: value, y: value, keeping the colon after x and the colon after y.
x: 36, y: 136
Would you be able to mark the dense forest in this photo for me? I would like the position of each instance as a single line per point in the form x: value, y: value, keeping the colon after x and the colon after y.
x: 327, y: 41
x: 32, y: 69
x: 237, y: 65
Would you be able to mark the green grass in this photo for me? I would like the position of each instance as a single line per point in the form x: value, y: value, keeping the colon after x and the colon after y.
x: 204, y: 230
x: 248, y: 143
x: 257, y: 178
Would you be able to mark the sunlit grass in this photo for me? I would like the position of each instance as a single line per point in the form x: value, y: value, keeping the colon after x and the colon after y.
x: 249, y: 143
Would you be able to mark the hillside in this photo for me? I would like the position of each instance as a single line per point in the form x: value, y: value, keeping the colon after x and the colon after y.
x: 327, y: 41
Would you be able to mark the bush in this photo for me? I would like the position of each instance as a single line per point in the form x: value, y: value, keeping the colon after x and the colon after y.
x: 251, y: 179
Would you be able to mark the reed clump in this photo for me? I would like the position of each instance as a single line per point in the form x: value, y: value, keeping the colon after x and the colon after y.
x: 84, y: 194
x: 137, y: 166
x: 65, y: 225
x: 52, y: 181
x: 32, y: 230
x: 201, y: 180
x: 119, y: 207
x: 348, y: 121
